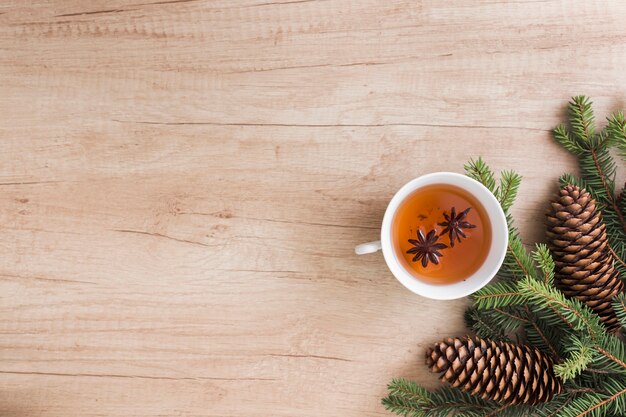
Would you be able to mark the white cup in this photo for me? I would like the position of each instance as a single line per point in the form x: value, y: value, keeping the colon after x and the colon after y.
x: 484, y: 274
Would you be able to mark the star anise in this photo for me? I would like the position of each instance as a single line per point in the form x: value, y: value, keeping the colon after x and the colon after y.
x: 454, y: 225
x: 426, y: 248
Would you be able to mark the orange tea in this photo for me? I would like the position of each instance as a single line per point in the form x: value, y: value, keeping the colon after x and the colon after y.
x: 441, y: 234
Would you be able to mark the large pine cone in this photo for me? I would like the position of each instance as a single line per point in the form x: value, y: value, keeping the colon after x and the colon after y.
x: 499, y: 371
x: 579, y: 245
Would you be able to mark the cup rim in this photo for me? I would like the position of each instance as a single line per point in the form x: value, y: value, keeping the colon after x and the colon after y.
x: 497, y: 251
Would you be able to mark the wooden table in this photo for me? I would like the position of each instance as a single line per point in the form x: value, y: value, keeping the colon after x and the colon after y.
x: 183, y: 183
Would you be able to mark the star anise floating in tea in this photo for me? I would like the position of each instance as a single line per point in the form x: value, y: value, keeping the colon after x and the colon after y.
x: 426, y: 248
x: 424, y: 209
x: 454, y: 225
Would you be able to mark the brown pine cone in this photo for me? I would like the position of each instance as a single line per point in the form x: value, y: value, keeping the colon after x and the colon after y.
x: 498, y: 371
x: 579, y: 245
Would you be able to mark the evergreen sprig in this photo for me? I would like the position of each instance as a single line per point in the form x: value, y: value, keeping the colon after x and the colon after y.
x: 478, y: 170
x: 523, y: 304
x: 581, y: 354
x: 622, y: 200
x: 517, y: 262
x: 498, y: 295
x: 617, y: 132
x: 611, y: 355
x: 539, y: 333
x: 408, y: 399
x: 486, y: 326
x: 559, y: 310
x: 619, y: 306
x: 509, y: 185
x: 546, y: 264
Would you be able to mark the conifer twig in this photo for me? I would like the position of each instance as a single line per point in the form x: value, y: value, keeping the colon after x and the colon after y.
x: 600, y: 404
x: 607, y: 189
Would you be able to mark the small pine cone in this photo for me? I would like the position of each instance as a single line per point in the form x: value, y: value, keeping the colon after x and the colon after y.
x: 580, y: 248
x: 498, y: 371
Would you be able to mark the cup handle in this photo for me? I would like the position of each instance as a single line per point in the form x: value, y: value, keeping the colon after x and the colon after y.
x: 369, y: 247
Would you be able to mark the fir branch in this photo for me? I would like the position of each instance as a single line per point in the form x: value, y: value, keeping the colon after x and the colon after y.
x: 517, y: 262
x: 479, y: 171
x: 509, y: 185
x: 544, y: 345
x: 598, y: 169
x: 619, y: 306
x: 619, y: 256
x: 484, y: 326
x: 569, y: 179
x: 582, y: 119
x: 406, y: 398
x: 547, y: 409
x: 501, y: 410
x: 543, y: 336
x: 448, y: 401
x: 612, y: 355
x: 574, y: 390
x: 617, y: 246
x: 543, y: 258
x: 616, y: 129
x: 612, y: 358
x: 570, y: 311
x: 409, y: 391
x: 517, y: 259
x: 597, y: 371
x: 402, y: 407
x: 496, y: 323
x: 594, y: 404
x: 581, y: 354
x: 498, y: 295
x: 444, y: 402
x: 621, y: 201
x: 580, y: 406
x: 560, y: 407
x: 511, y: 319
x: 563, y: 137
x: 604, y: 168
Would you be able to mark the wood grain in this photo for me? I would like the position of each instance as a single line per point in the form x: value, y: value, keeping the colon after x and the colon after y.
x: 183, y: 182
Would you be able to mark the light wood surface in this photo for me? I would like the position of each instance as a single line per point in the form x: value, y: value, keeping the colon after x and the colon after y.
x: 182, y: 184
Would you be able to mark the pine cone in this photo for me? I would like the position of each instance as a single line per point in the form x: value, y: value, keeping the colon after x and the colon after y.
x: 579, y: 245
x: 499, y: 371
